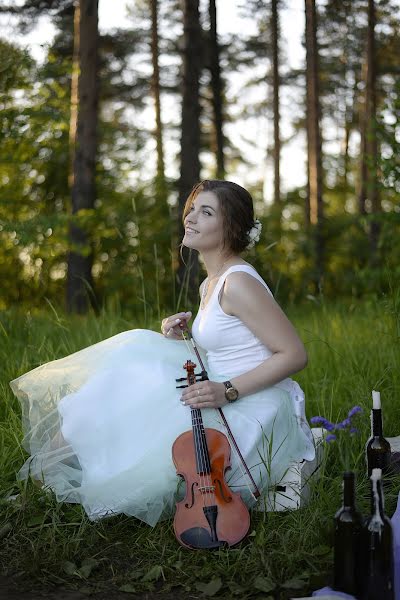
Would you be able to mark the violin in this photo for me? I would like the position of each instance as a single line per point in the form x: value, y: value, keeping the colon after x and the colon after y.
x: 210, y: 515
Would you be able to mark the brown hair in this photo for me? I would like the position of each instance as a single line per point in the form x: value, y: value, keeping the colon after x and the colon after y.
x: 236, y: 207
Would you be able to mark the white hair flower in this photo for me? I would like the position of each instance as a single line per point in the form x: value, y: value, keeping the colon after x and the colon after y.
x: 254, y: 234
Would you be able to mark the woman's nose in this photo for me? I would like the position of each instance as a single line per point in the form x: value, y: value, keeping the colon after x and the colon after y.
x: 192, y: 216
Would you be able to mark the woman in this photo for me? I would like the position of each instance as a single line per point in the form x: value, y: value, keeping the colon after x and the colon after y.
x: 101, y: 422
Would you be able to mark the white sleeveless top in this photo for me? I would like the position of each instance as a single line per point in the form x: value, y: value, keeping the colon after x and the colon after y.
x: 232, y: 349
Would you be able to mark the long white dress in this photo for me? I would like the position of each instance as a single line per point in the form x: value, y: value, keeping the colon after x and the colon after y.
x: 99, y: 424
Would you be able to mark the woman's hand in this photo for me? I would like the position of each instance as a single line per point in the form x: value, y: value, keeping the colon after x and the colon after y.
x: 172, y: 327
x: 204, y: 394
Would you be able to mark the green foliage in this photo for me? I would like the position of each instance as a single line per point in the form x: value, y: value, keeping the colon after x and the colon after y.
x: 132, y: 229
x: 285, y: 252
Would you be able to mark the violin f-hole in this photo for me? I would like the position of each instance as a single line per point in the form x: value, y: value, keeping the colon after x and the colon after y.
x: 192, y: 491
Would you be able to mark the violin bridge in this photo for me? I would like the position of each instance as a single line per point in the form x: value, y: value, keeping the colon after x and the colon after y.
x: 206, y: 489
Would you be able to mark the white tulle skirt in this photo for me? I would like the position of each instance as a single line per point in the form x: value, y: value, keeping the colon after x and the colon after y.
x: 99, y: 426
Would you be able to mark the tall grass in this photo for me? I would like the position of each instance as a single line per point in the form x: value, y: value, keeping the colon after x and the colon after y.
x: 353, y: 348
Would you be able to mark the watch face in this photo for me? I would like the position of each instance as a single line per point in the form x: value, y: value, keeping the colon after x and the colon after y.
x: 231, y: 394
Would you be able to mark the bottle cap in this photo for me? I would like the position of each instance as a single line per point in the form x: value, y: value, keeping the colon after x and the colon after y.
x: 376, y: 400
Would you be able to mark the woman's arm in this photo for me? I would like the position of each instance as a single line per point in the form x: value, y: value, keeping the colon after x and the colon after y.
x: 247, y: 299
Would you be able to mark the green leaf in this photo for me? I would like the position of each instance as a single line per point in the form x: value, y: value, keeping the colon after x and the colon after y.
x: 69, y: 567
x: 36, y: 520
x: 128, y: 588
x: 5, y: 530
x: 294, y: 584
x: 264, y: 584
x: 88, y: 564
x: 135, y: 574
x: 321, y: 550
x: 235, y: 588
x: 211, y: 588
x: 154, y: 574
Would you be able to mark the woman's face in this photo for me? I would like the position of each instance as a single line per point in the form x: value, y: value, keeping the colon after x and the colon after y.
x: 204, y: 224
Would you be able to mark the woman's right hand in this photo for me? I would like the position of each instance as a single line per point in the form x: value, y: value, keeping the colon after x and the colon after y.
x: 172, y: 327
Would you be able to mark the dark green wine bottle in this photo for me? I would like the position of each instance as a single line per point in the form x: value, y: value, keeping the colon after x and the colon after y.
x: 378, y: 448
x: 378, y: 451
x: 377, y: 577
x: 348, y: 526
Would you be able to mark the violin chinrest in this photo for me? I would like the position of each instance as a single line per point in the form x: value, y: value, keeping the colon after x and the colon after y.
x: 200, y: 538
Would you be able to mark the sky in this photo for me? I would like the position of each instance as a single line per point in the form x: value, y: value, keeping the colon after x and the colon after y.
x: 252, y: 137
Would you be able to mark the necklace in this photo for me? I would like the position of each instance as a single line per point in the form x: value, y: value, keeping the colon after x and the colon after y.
x: 207, y: 283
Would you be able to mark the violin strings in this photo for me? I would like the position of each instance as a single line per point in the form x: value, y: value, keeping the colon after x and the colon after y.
x: 241, y: 468
x: 205, y: 478
x: 208, y: 494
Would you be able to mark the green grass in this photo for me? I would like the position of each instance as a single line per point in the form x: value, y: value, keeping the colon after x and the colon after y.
x: 353, y: 348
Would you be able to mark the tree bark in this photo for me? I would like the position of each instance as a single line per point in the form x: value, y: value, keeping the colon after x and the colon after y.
x: 187, y: 276
x: 276, y: 89
x: 84, y: 114
x: 217, y: 91
x: 371, y: 141
x: 161, y: 189
x: 363, y: 119
x: 348, y: 125
x: 314, y: 136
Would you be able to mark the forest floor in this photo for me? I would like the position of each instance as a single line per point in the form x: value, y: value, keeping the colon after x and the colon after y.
x: 13, y: 589
x: 18, y: 590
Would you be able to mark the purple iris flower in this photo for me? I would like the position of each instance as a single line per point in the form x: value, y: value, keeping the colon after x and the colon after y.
x: 324, y: 422
x: 343, y: 424
x: 330, y: 438
x: 353, y: 411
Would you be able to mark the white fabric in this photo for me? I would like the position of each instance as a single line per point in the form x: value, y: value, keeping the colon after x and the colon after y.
x: 232, y: 348
x: 99, y: 424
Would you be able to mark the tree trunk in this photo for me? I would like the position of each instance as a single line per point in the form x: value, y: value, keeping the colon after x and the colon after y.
x: 348, y: 125
x: 276, y: 88
x: 161, y: 188
x: 217, y: 93
x: 314, y: 136
x: 363, y: 119
x: 371, y: 142
x: 187, y: 275
x: 84, y: 103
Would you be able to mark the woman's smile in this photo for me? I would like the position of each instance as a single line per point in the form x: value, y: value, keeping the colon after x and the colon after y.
x: 205, y: 214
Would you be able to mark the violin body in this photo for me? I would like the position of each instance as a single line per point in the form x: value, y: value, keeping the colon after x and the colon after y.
x: 210, y: 515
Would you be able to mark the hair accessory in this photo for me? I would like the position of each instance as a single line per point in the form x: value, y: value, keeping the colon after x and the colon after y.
x: 254, y: 234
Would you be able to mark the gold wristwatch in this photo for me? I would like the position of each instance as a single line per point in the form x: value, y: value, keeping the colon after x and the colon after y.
x: 231, y: 393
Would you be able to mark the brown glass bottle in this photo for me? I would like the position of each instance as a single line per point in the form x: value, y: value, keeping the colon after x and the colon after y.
x: 347, y: 534
x: 378, y: 450
x: 376, y: 575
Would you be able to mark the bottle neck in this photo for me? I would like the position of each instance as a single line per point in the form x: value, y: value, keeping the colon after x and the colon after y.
x: 348, y: 490
x: 377, y: 422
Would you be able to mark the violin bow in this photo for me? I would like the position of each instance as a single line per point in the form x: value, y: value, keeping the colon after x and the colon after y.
x: 204, y: 376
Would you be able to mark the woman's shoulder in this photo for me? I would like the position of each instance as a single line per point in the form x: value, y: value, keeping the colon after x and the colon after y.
x: 243, y: 276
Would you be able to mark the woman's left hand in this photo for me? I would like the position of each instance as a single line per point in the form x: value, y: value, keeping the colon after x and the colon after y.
x: 204, y: 394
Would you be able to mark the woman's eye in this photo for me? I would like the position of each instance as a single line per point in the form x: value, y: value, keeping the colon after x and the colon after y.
x: 207, y: 213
